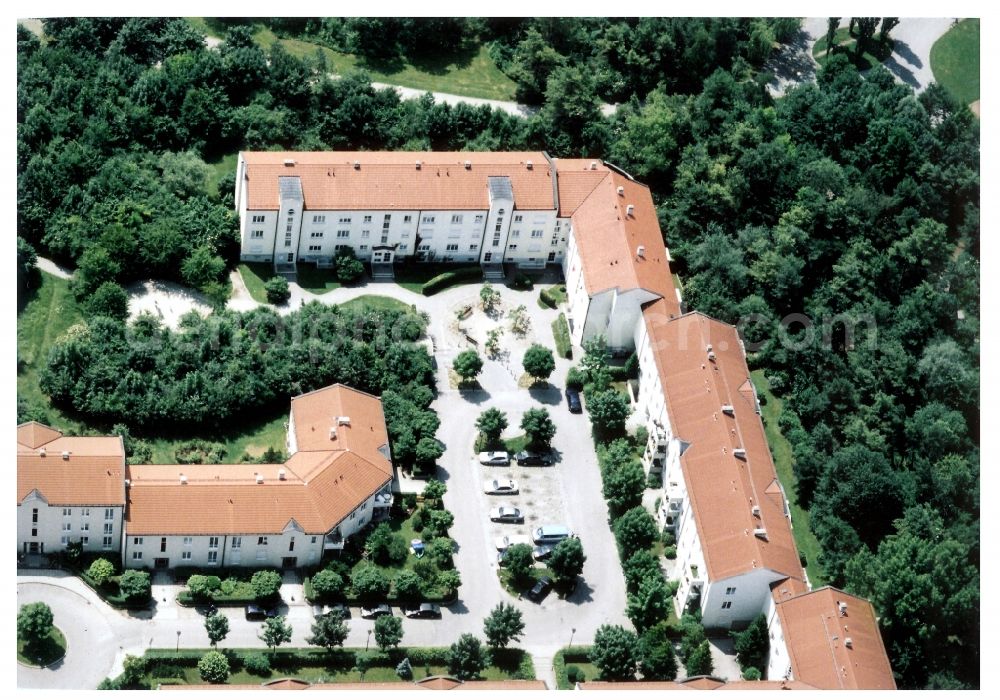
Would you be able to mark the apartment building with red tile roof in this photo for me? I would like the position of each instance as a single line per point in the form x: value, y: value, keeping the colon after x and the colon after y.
x: 435, y: 683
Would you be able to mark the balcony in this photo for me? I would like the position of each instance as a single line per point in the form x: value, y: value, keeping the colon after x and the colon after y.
x: 333, y: 540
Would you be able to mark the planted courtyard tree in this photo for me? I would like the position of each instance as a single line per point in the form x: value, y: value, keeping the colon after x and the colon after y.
x: 134, y: 585
x: 275, y: 631
x: 467, y: 365
x: 752, y: 644
x: 265, y: 584
x: 217, y: 627
x: 519, y: 562
x: 388, y: 632
x: 503, y: 625
x: 539, y: 362
x: 539, y: 428
x: 699, y: 661
x: 467, y: 658
x: 34, y: 623
x: 327, y: 583
x: 491, y: 424
x: 370, y: 584
x: 566, y: 560
x: 349, y: 268
x: 214, y: 667
x: 657, y: 660
x: 635, y: 530
x: 489, y: 297
x: 329, y: 631
x: 100, y: 571
x: 277, y: 290
x: 615, y: 652
x: 609, y: 409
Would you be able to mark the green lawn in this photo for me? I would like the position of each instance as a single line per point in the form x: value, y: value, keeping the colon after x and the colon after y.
x: 42, y: 317
x: 573, y: 656
x: 226, y: 165
x: 375, y: 302
x: 414, y: 275
x: 254, y: 276
x: 317, y: 280
x: 50, y: 650
x: 844, y: 42
x: 955, y: 61
x: 254, y: 436
x: 781, y: 450
x: 468, y: 72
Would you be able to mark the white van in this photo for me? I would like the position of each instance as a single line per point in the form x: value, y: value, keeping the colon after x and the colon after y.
x: 551, y: 534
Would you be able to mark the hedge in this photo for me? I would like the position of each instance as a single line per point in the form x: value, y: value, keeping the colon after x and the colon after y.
x: 564, y: 656
x: 449, y: 278
x: 111, y: 594
x: 560, y: 330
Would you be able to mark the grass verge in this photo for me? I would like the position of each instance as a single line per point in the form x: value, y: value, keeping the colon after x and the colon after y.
x: 317, y: 280
x: 254, y: 276
x: 955, y: 61
x: 781, y: 451
x: 50, y: 650
x: 560, y: 331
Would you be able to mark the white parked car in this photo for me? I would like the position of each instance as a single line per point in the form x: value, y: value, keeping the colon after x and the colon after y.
x: 506, y: 541
x: 500, y: 487
x: 499, y: 459
x: 506, y: 514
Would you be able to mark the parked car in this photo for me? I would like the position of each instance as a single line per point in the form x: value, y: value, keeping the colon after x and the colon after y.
x: 424, y: 611
x: 540, y: 589
x: 256, y: 612
x: 339, y: 608
x: 376, y: 611
x: 499, y: 459
x: 506, y: 541
x: 527, y: 458
x: 573, y: 400
x: 506, y: 514
x: 542, y: 553
x: 551, y: 534
x: 500, y: 487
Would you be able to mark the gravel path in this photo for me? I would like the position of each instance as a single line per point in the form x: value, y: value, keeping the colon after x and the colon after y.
x: 54, y: 268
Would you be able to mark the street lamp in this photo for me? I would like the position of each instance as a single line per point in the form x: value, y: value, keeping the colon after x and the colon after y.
x: 572, y: 631
x: 369, y: 640
x: 178, y: 647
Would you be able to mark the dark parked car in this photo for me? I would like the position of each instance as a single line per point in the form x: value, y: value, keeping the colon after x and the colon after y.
x: 424, y: 611
x: 573, y: 400
x: 339, y: 608
x: 540, y: 590
x: 256, y: 612
x: 542, y: 553
x: 376, y: 611
x: 527, y: 459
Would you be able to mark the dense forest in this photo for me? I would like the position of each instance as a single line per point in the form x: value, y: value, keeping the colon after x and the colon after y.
x: 851, y: 201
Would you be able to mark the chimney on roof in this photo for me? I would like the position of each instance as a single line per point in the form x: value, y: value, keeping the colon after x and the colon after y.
x: 418, y: 165
x: 289, y: 162
x: 528, y: 164
x: 344, y: 420
x: 357, y: 165
x: 756, y: 511
x: 184, y: 479
x: 281, y: 474
x: 739, y: 453
x: 711, y: 356
x: 333, y: 432
x: 760, y: 533
x: 640, y: 252
x: 728, y: 409
x: 621, y: 191
x: 630, y: 210
x: 468, y: 165
x: 593, y: 165
x: 260, y: 478
x: 41, y: 451
x: 842, y: 606
x: 848, y: 642
x: 65, y: 454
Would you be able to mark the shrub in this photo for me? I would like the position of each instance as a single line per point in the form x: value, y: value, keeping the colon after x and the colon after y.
x: 134, y: 585
x: 409, y: 501
x: 560, y: 331
x: 751, y: 674
x: 214, y: 667
x: 203, y: 586
x: 417, y: 521
x: 404, y: 669
x: 349, y: 268
x: 575, y: 378
x: 265, y: 584
x: 257, y: 664
x: 199, y: 452
x: 670, y: 552
x: 370, y: 584
x: 277, y: 290
x: 408, y: 585
x: 327, y: 583
x: 101, y: 571
x: 110, y: 299
x: 573, y: 674
x: 522, y: 282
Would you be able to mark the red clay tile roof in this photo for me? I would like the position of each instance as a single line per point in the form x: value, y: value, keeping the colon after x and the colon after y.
x: 92, y: 474
x: 319, y: 485
x: 722, y: 488
x: 816, y: 635
x: 390, y: 180
x: 609, y: 239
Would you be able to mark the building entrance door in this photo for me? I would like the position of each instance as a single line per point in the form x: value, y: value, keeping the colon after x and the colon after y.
x: 161, y: 563
x: 288, y: 562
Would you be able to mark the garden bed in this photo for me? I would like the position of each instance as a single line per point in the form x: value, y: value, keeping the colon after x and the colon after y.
x: 573, y: 656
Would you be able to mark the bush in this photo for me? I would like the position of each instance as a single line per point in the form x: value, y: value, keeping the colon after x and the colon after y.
x: 257, y: 664
x: 134, y: 585
x: 199, y: 452
x: 548, y: 298
x: 277, y: 290
x: 349, y: 268
x: 574, y: 675
x: 449, y: 278
x: 266, y: 584
x: 404, y: 669
x: 110, y: 299
x: 522, y: 282
x: 214, y: 667
x: 327, y: 583
x: 670, y: 552
x: 203, y: 586
x: 560, y: 331
x: 751, y: 674
x: 575, y: 378
x: 369, y: 583
x: 101, y: 571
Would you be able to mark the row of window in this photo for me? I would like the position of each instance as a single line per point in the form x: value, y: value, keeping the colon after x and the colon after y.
x: 407, y: 218
x: 106, y: 543
x: 109, y: 513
